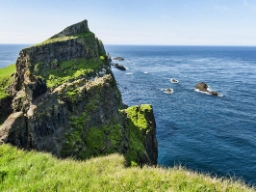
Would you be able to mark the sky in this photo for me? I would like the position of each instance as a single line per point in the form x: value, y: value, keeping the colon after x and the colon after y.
x: 133, y: 22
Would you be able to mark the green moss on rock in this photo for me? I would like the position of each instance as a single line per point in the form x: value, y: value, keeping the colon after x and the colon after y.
x: 138, y: 127
x: 71, y: 70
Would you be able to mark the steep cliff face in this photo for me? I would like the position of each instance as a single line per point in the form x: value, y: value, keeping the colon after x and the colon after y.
x: 67, y: 102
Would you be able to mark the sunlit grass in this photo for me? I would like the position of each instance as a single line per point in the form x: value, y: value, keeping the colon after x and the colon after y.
x: 33, y: 171
x: 71, y: 70
x: 6, y: 79
x: 63, y: 38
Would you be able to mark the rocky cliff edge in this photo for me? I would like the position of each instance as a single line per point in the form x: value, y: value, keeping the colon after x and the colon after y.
x: 65, y: 100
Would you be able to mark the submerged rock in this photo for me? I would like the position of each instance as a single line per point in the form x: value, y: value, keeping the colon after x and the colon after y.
x: 68, y: 103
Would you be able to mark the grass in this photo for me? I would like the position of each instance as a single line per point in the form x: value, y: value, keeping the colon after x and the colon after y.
x: 6, y: 79
x: 69, y: 70
x: 64, y: 38
x: 33, y: 171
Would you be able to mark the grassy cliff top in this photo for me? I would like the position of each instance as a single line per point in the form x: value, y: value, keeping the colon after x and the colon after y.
x: 6, y: 79
x: 33, y: 171
x: 64, y: 38
x: 77, y: 30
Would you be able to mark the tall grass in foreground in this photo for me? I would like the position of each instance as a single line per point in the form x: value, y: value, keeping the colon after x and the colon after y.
x: 34, y: 171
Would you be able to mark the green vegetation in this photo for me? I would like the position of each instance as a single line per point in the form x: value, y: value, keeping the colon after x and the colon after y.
x: 33, y: 171
x: 138, y: 127
x: 64, y: 38
x: 6, y: 79
x: 83, y: 142
x: 67, y: 70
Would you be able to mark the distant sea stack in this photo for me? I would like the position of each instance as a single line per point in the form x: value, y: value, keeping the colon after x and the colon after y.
x: 65, y: 100
x: 203, y: 87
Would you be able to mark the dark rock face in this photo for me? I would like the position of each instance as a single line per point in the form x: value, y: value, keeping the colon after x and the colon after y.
x: 35, y: 89
x: 204, y: 88
x: 83, y: 116
x: 5, y: 107
x: 150, y: 141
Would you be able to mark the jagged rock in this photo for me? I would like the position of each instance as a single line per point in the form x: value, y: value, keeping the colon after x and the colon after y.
x: 118, y: 66
x: 12, y: 131
x: 118, y: 58
x: 202, y: 87
x: 35, y: 89
x: 67, y: 102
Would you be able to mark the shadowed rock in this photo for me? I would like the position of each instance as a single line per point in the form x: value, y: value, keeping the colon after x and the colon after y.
x: 118, y: 66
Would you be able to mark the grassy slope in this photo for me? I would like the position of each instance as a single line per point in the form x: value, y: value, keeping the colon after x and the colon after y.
x: 63, y: 38
x: 34, y: 171
x: 68, y: 72
x: 6, y: 79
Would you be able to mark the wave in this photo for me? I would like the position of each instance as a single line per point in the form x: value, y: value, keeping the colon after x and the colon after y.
x: 129, y: 73
x: 208, y: 89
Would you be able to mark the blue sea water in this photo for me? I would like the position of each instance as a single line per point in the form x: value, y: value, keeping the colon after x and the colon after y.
x: 9, y: 53
x: 205, y: 133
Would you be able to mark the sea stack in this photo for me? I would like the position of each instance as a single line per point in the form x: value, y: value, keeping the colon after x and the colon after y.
x: 203, y: 87
x: 66, y: 101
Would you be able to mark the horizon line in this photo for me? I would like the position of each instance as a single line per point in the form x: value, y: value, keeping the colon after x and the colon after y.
x: 189, y: 45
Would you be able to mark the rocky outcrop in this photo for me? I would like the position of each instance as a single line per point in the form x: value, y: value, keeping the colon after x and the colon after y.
x: 67, y: 102
x: 203, y: 87
x: 118, y: 58
x: 118, y: 66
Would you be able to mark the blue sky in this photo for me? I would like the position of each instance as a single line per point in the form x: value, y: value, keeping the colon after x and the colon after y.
x: 137, y: 22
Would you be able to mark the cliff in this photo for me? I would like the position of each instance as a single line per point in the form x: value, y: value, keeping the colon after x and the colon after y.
x: 65, y: 100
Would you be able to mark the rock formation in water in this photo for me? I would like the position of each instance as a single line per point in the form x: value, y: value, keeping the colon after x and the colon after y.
x: 118, y: 66
x: 204, y: 88
x: 66, y: 101
x: 118, y: 58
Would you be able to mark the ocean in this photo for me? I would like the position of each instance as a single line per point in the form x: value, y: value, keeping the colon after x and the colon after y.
x: 209, y: 134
